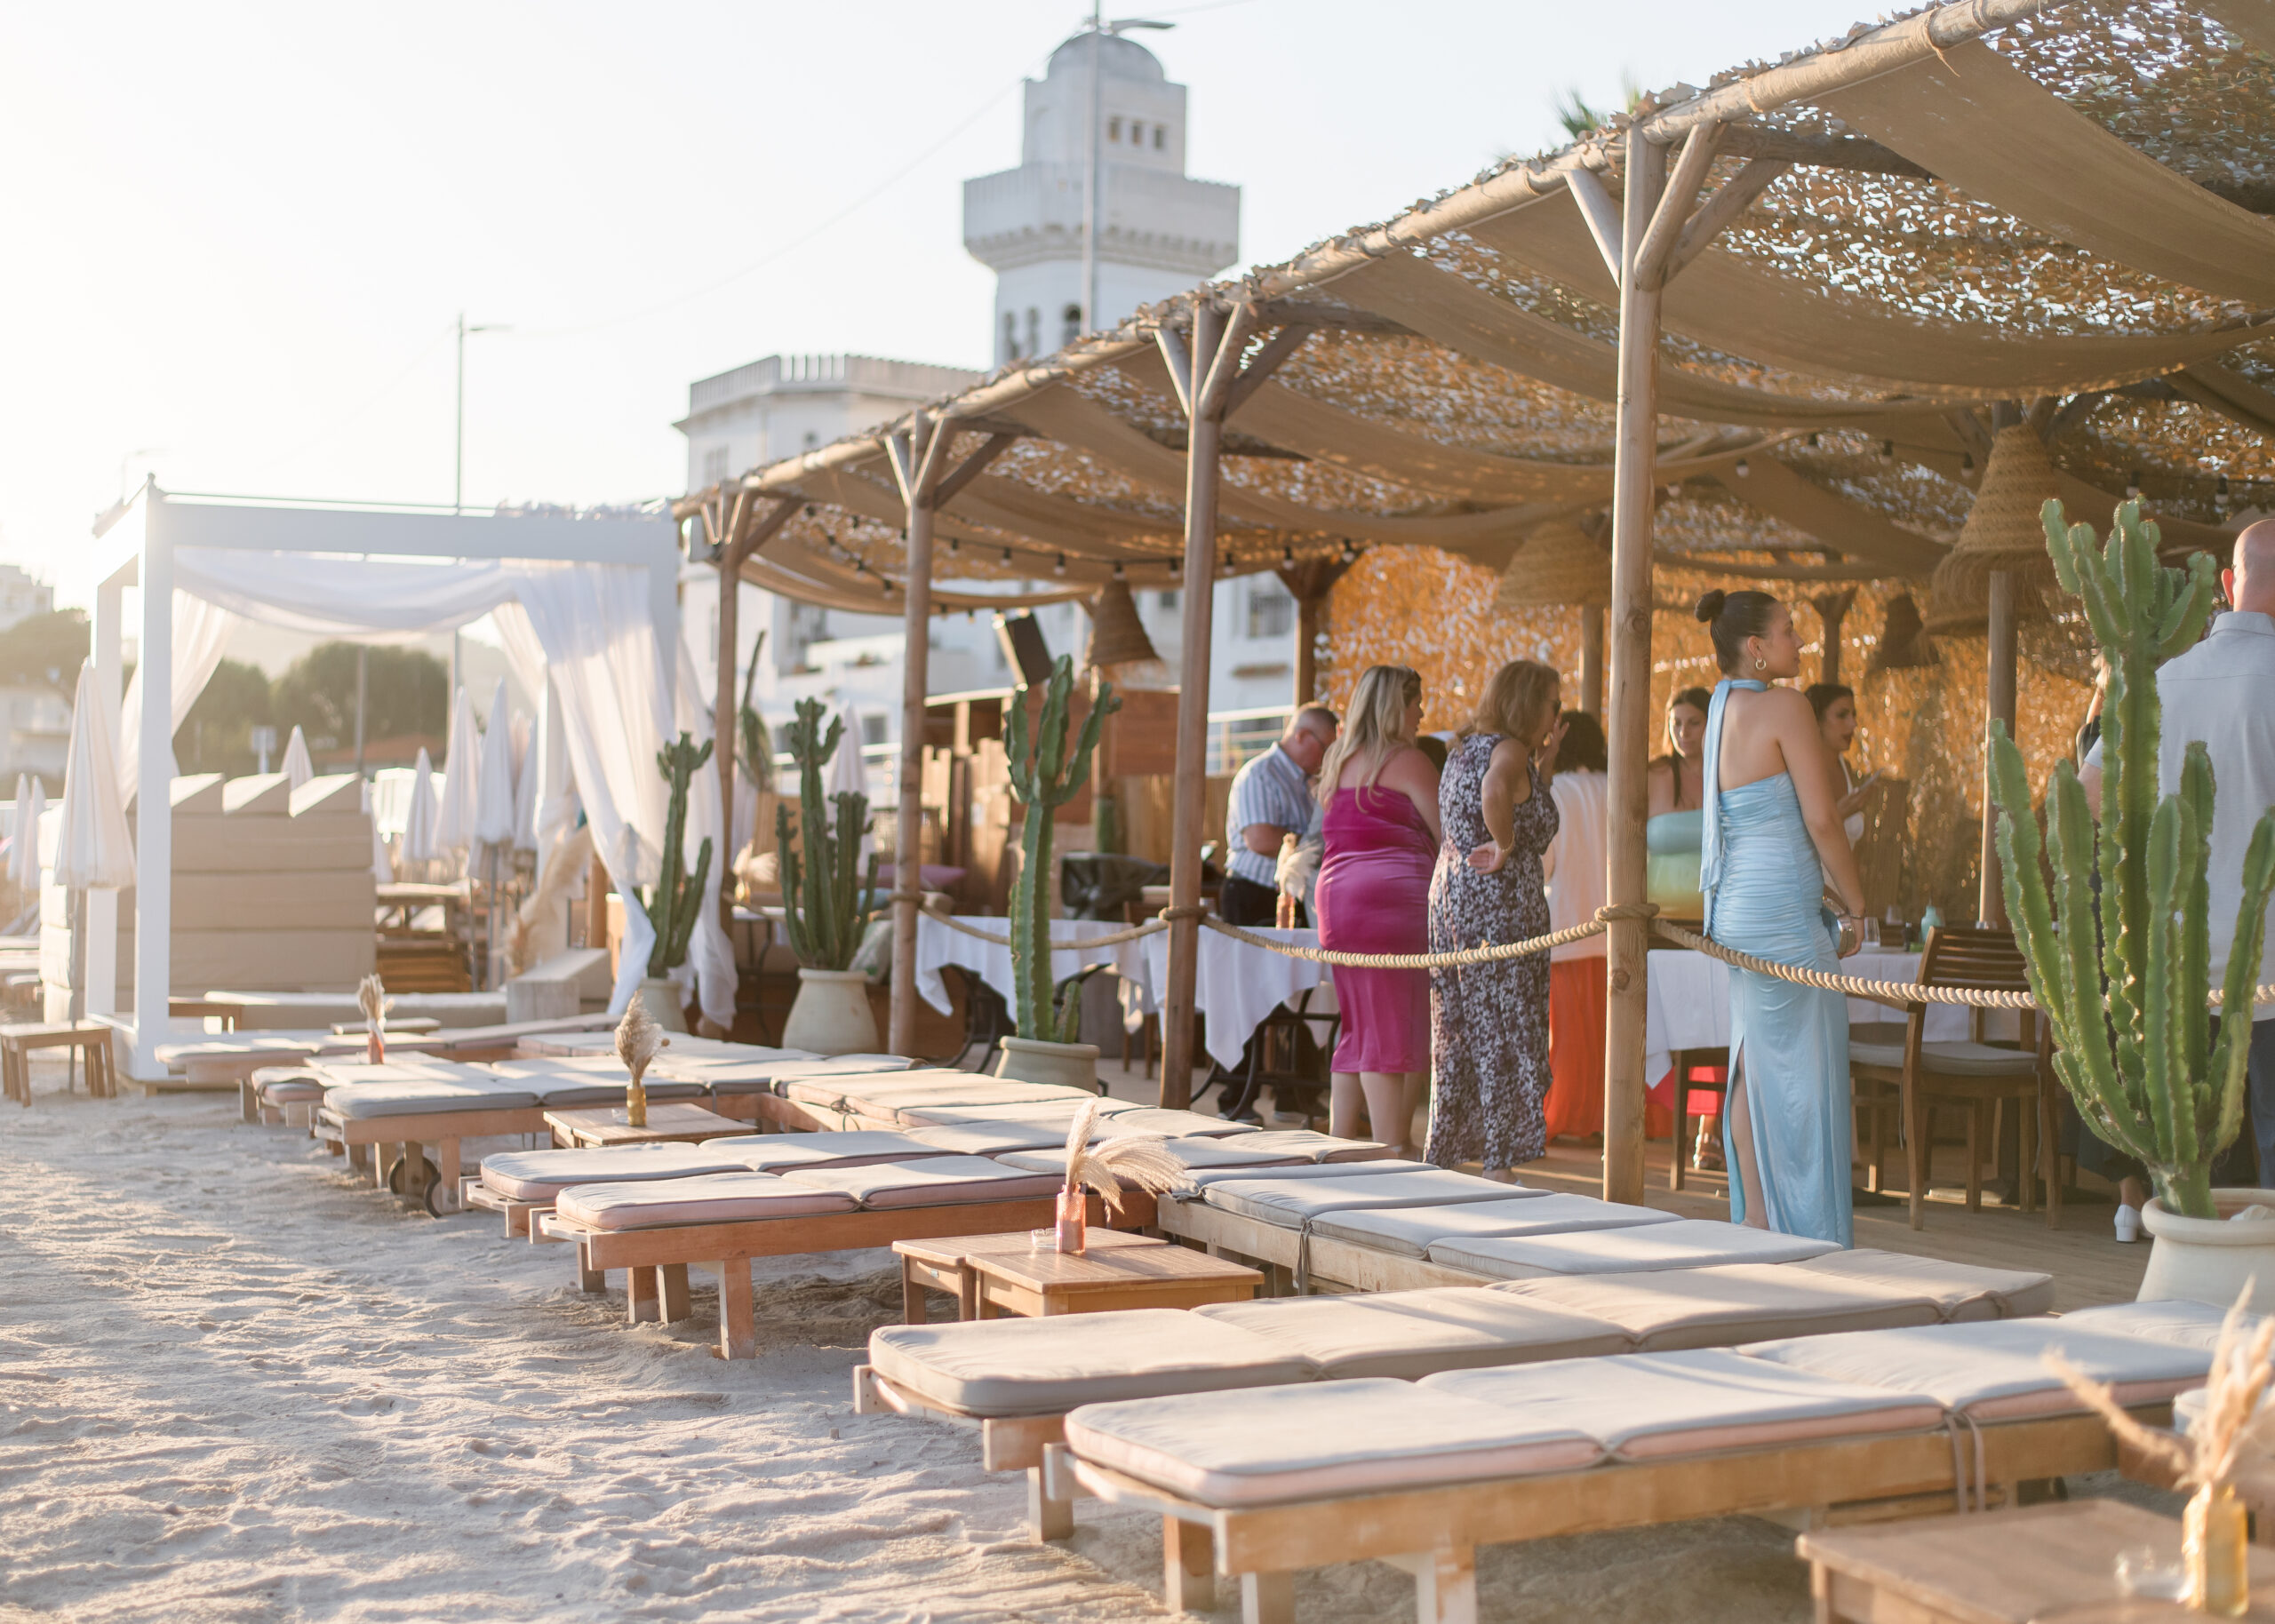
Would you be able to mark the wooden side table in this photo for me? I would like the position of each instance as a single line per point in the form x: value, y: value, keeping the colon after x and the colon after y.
x: 945, y: 1265
x: 2043, y: 1563
x: 91, y: 1038
x: 669, y: 1122
x: 1100, y: 1280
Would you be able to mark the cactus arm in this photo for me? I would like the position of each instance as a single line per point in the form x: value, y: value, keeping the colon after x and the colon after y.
x: 794, y: 918
x: 1093, y: 729
x: 2228, y: 1065
x: 2171, y: 1097
x: 2183, y: 624
x: 1068, y: 1027
x: 2191, y: 929
x: 692, y: 908
x: 2020, y: 850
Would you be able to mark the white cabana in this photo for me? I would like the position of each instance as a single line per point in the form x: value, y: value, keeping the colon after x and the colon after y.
x: 94, y: 851
x: 586, y: 606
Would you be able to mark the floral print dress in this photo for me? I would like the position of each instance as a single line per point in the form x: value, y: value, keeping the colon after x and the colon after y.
x: 1488, y: 1022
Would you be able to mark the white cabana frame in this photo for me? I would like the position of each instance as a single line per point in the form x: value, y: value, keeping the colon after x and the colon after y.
x: 136, y: 545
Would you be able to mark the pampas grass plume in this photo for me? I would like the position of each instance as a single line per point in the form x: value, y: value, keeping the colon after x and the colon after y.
x: 1105, y: 1168
x: 371, y: 998
x: 638, y: 1038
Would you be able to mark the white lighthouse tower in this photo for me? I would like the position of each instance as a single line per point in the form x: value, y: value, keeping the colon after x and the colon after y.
x: 1159, y: 231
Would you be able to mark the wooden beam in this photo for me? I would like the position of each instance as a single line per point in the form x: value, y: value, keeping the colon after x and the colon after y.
x: 1319, y: 313
x: 1177, y: 357
x: 971, y: 467
x: 1634, y: 499
x: 726, y: 718
x: 1212, y: 385
x: 1591, y: 659
x: 1991, y: 906
x: 1672, y: 215
x: 1189, y: 808
x: 1849, y: 152
x: 920, y: 455
x: 1719, y: 212
x: 1282, y: 345
x: 1602, y: 216
x: 1831, y: 611
x: 1308, y: 582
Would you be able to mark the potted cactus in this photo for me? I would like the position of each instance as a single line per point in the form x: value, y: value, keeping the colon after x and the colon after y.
x: 1044, y: 779
x: 677, y: 898
x: 2118, y: 948
x: 824, y: 898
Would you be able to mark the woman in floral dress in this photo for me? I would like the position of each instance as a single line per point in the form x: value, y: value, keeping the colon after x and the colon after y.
x: 1488, y: 1022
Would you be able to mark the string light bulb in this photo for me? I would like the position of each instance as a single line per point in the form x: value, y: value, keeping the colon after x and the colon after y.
x: 2133, y: 484
x: 1119, y: 574
x: 1350, y: 553
x: 1059, y: 567
x: 1743, y: 468
x: 1287, y: 553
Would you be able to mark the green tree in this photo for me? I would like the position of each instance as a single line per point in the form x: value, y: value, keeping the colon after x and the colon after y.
x: 45, y: 650
x: 217, y: 735
x: 408, y: 693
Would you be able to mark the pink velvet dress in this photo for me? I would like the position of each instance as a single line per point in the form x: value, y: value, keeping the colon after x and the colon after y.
x: 1373, y: 896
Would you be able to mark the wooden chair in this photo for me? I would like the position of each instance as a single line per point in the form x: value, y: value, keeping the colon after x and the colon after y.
x: 1974, y: 1076
x: 88, y: 1037
x: 1876, y: 1100
x: 1686, y: 1062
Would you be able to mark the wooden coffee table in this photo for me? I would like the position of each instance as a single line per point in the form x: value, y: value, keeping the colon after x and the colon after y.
x: 2004, y: 1567
x: 945, y: 1265
x: 669, y: 1122
x: 1102, y: 1279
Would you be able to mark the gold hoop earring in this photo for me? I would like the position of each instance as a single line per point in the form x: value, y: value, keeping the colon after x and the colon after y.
x: 1761, y: 665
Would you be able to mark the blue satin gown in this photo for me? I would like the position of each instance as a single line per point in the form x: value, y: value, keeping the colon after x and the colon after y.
x: 1764, y: 887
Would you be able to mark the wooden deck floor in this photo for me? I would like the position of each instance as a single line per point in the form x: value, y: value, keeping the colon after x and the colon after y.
x: 2087, y: 1263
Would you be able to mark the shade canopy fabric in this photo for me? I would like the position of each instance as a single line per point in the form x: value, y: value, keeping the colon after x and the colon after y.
x: 94, y: 850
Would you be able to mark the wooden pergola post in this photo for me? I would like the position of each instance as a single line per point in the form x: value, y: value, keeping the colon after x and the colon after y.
x: 1308, y: 582
x: 2000, y: 692
x: 1592, y: 616
x: 733, y: 539
x: 1831, y: 611
x: 918, y: 453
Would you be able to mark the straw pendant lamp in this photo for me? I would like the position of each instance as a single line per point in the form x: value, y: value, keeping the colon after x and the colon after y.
x: 2002, y: 532
x: 1117, y: 636
x: 1559, y: 566
x: 1903, y: 644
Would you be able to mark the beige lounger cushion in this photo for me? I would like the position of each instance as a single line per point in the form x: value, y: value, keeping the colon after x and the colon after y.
x: 781, y: 1152
x: 1291, y: 1205
x: 1323, y: 1438
x: 1647, y: 1406
x: 934, y: 1182
x: 2190, y: 1324
x: 830, y: 1089
x: 1049, y: 1366
x: 1322, y: 1147
x: 1303, y: 1171
x: 1176, y: 1125
x: 912, y: 1094
x: 571, y: 1090
x: 540, y: 1175
x: 1714, y: 1307
x: 1210, y: 1153
x: 1060, y: 1111
x: 1688, y: 1243
x: 423, y: 1095
x: 764, y: 1074
x: 991, y: 1138
x: 1417, y: 1333
x: 719, y: 1197
x: 342, y: 1071
x: 1411, y: 1233
x: 1995, y: 1370
x: 1961, y: 1291
x: 281, y: 1084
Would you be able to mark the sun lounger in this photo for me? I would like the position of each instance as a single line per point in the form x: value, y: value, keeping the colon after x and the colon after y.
x: 1962, y: 1291
x: 1688, y: 1243
x: 1670, y: 1310
x: 747, y: 1085
x: 419, y: 1104
x: 1275, y: 1479
x: 917, y: 1099
x: 561, y: 1084
x: 1411, y: 1233
x: 655, y: 1231
x: 289, y: 1093
x: 2191, y: 1325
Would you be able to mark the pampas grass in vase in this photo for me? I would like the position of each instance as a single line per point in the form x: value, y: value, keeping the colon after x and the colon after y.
x: 638, y: 1040
x: 371, y: 998
x: 2233, y: 1431
x: 1107, y: 1168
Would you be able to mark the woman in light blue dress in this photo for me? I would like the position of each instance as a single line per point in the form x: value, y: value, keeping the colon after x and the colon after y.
x: 1772, y: 847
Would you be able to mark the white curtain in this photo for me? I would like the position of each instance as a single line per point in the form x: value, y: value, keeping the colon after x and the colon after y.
x: 200, y: 632
x: 373, y: 600
x: 709, y: 954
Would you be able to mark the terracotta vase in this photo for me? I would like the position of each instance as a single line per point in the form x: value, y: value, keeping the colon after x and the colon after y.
x: 1073, y: 1231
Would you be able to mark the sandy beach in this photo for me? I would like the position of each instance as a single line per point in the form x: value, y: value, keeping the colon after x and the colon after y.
x: 235, y: 1386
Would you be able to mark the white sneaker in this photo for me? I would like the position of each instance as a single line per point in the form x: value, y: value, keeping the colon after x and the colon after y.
x: 2128, y: 1224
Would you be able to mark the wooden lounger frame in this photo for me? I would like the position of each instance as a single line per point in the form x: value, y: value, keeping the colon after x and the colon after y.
x: 443, y: 1129
x: 657, y: 1258
x: 1434, y: 1532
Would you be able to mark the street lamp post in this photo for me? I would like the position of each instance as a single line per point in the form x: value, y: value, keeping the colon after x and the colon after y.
x: 457, y: 468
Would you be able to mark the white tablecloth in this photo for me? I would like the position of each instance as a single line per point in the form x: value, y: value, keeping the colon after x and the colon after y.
x: 937, y: 946
x: 1238, y: 985
x: 1689, y: 1005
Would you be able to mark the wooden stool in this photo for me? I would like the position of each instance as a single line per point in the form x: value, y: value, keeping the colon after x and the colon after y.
x: 946, y: 1265
x: 1686, y: 1060
x: 88, y: 1037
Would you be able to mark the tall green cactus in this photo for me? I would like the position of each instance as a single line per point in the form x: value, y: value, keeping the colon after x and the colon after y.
x: 2129, y: 1011
x: 1044, y: 779
x: 676, y: 900
x: 823, y: 893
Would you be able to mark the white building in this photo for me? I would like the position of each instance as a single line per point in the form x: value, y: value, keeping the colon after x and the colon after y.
x: 1160, y: 232
x: 21, y: 597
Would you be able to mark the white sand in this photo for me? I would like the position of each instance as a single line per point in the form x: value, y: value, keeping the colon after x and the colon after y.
x: 236, y: 1385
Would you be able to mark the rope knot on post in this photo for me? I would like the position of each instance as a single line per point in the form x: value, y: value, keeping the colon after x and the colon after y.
x: 1172, y: 914
x: 1626, y: 911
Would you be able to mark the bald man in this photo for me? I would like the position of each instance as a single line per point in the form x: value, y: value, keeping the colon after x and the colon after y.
x: 2223, y: 692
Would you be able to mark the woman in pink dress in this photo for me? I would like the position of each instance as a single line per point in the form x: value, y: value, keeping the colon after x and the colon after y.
x: 1373, y: 896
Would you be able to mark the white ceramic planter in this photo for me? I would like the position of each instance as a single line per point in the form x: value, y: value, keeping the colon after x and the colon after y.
x: 2206, y: 1260
x: 1069, y: 1065
x: 662, y: 996
x: 832, y: 1014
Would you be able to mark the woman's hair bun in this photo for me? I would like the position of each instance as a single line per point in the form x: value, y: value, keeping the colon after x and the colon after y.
x: 1710, y: 605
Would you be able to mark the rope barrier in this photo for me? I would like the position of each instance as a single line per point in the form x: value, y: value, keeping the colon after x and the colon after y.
x: 1854, y: 986
x: 1486, y: 953
x: 1112, y: 938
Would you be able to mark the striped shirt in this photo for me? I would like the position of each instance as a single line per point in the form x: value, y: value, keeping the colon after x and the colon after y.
x: 1269, y: 789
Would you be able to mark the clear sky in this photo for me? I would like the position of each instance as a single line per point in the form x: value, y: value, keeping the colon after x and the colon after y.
x: 236, y: 235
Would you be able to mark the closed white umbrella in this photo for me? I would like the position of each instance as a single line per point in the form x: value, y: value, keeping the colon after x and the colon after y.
x: 23, y: 846
x: 419, y: 820
x: 525, y: 754
x: 296, y: 769
x: 849, y: 773
x: 493, y: 809
x: 455, y: 812
x: 383, y: 865
x: 93, y: 849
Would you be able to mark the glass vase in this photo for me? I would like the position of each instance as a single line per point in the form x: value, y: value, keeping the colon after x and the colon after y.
x: 635, y: 1104
x: 375, y: 1049
x: 1074, y: 1221
x: 2213, y: 1544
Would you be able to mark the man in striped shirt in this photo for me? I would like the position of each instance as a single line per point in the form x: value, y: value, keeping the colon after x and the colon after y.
x: 1270, y: 798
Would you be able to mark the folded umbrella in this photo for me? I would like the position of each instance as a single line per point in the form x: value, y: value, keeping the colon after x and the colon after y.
x: 296, y: 769
x: 455, y: 810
